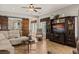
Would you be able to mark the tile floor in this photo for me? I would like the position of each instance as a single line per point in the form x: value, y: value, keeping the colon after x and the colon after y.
x: 43, y: 46
x: 59, y: 48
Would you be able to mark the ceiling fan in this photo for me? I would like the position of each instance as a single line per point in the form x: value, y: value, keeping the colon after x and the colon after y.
x: 31, y: 7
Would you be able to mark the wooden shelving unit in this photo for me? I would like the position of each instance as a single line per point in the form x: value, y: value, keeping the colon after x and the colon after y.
x: 63, y: 30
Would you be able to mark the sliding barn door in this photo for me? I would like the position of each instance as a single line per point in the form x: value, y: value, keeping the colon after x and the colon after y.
x: 25, y: 27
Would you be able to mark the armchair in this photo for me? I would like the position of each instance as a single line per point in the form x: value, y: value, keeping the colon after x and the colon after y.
x: 39, y: 34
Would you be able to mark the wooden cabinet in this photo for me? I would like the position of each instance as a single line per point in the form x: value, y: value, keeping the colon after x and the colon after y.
x: 25, y: 27
x: 63, y: 30
x: 3, y: 23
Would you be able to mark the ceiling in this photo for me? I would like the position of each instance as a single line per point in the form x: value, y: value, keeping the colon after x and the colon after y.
x: 17, y: 9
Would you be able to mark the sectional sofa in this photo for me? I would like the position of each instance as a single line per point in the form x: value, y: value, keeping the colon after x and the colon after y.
x: 10, y: 38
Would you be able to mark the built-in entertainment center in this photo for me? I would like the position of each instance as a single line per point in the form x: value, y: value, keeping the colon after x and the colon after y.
x: 61, y: 30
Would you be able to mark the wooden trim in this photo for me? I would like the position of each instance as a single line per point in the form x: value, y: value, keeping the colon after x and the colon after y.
x: 34, y: 21
x: 45, y: 19
x: 12, y: 17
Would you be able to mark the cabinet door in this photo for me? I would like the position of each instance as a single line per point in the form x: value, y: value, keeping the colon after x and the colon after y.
x: 70, y: 31
x: 48, y: 29
x: 71, y: 28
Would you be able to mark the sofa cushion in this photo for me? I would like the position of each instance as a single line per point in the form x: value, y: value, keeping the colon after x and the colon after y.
x: 24, y: 38
x: 5, y: 33
x: 5, y: 42
x: 14, y: 34
x: 6, y: 45
x: 15, y: 41
x: 2, y: 36
x: 10, y: 34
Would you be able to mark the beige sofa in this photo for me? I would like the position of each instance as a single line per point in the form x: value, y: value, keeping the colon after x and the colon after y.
x: 14, y: 36
x: 5, y: 44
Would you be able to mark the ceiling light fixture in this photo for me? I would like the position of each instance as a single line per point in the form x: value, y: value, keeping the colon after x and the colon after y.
x: 31, y: 7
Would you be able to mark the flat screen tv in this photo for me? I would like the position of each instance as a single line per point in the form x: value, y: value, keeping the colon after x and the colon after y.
x: 59, y: 28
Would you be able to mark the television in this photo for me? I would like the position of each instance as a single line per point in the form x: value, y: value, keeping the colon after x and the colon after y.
x: 58, y: 28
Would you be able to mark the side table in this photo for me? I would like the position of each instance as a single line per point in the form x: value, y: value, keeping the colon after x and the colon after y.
x: 30, y: 42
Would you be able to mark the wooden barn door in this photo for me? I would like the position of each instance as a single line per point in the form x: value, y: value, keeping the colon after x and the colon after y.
x: 25, y: 27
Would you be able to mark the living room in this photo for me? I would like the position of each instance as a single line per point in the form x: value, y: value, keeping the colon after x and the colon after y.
x: 33, y: 29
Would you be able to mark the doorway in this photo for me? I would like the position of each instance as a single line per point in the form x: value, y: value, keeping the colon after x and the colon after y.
x: 43, y: 27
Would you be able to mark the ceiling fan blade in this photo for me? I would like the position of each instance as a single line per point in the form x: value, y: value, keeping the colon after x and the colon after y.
x: 27, y: 7
x: 37, y: 8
